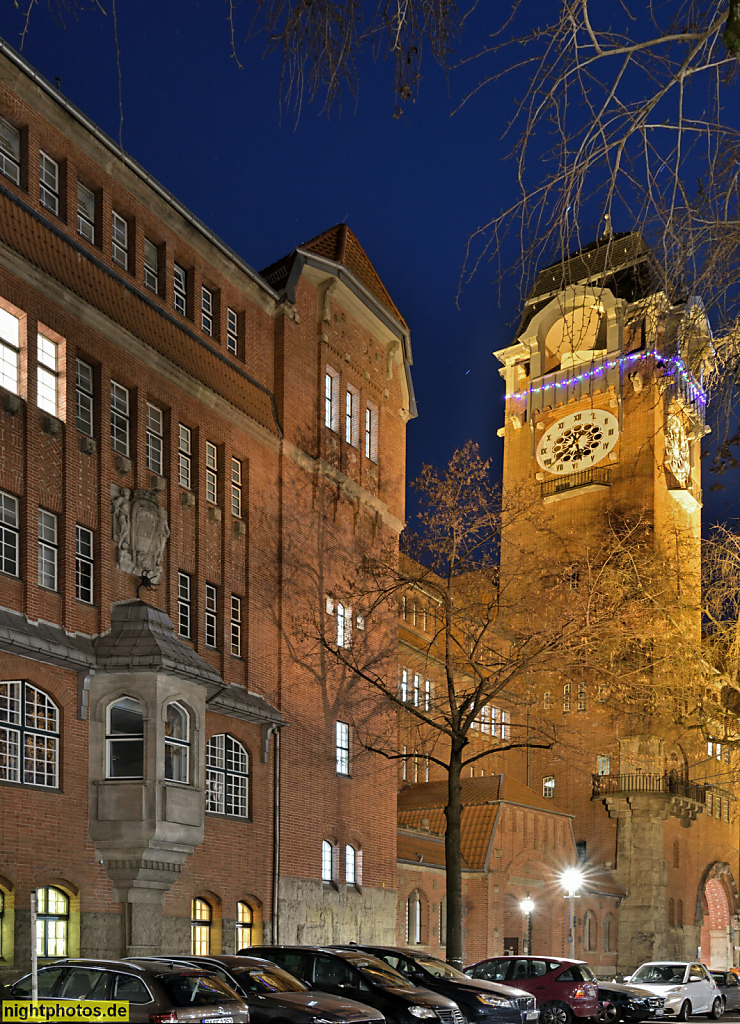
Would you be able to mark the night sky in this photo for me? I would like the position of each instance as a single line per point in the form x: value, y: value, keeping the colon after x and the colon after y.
x: 412, y: 189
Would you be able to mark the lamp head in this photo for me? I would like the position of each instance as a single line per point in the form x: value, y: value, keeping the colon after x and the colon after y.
x: 571, y: 880
x: 527, y: 905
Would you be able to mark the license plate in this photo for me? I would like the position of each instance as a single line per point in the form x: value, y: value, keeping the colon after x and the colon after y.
x: 532, y: 1015
x: 217, y: 1020
x: 659, y: 1013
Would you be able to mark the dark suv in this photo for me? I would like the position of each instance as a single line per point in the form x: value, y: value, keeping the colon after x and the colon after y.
x: 349, y: 972
x: 480, y: 1001
x: 563, y: 988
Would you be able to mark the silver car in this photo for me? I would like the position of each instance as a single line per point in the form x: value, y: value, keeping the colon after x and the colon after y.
x: 687, y: 987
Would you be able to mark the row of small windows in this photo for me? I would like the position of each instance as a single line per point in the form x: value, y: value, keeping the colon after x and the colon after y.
x: 344, y: 621
x: 201, y: 927
x: 351, y: 429
x: 418, y: 614
x: 121, y: 232
x: 414, y: 690
x: 185, y: 616
x: 417, y: 923
x: 330, y: 863
x: 493, y: 721
x: 414, y: 766
x: 719, y: 806
x: 580, y: 696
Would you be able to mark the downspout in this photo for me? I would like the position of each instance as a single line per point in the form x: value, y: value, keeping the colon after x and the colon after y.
x: 276, y: 836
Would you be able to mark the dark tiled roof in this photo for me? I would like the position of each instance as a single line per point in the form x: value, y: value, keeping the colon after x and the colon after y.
x: 43, y: 641
x: 236, y: 702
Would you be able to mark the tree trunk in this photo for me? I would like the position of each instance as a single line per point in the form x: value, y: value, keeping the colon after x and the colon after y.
x: 453, y: 858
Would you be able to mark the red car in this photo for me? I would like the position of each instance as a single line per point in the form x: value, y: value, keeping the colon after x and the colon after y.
x: 564, y: 989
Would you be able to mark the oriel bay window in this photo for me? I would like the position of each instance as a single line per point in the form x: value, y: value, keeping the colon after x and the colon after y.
x: 125, y: 739
x: 177, y: 744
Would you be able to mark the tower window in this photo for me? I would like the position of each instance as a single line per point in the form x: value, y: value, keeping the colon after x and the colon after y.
x: 119, y: 240
x: 154, y: 442
x: 184, y: 607
x: 180, y: 289
x: 151, y: 266
x: 232, y: 331
x: 342, y: 748
x: 9, y: 351
x: 206, y: 311
x: 84, y: 565
x: 48, y: 549
x: 84, y: 396
x: 211, y: 472
x: 9, y: 534
x: 119, y: 418
x: 85, y: 212
x: 331, y: 399
x: 211, y: 615
x: 49, y: 183
x: 184, y: 455
x: 47, y: 375
x: 10, y: 151
x: 548, y: 787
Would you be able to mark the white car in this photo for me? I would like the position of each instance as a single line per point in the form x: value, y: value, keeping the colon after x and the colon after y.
x: 688, y: 988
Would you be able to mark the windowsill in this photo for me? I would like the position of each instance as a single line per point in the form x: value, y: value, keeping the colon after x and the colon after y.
x: 228, y: 817
x: 343, y: 775
x: 32, y: 785
x: 49, y: 590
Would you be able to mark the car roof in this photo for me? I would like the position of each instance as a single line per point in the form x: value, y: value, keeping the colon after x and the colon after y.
x: 406, y: 951
x: 342, y: 951
x: 225, y: 960
x: 95, y: 962
x: 527, y: 956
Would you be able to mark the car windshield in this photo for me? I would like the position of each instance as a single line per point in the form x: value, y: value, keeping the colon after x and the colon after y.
x: 270, y: 979
x: 197, y: 989
x: 659, y: 974
x: 439, y: 969
x: 379, y: 973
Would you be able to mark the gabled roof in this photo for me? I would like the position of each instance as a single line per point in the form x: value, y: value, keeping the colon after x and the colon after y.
x: 417, y: 847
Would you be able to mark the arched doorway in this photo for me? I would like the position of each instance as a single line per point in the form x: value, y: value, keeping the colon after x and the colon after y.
x: 715, y: 942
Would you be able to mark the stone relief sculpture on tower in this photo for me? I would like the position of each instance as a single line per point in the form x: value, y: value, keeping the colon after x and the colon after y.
x: 140, y: 530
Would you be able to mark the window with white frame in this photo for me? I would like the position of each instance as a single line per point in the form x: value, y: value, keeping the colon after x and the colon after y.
x: 413, y: 919
x: 371, y: 432
x: 206, y: 310
x: 9, y: 533
x: 119, y: 240
x: 119, y: 418
x: 244, y: 925
x: 485, y: 718
x: 404, y: 684
x: 352, y: 417
x: 211, y: 473
x: 184, y: 455
x: 85, y: 212
x: 200, y: 928
x: 154, y: 438
x: 227, y: 776
x: 603, y: 764
x: 180, y: 289
x: 342, y: 748
x: 151, y: 266
x: 47, y: 375
x: 84, y: 397
x: 184, y: 605
x: 9, y: 350
x: 327, y: 862
x: 714, y: 749
x: 48, y: 183
x: 350, y: 876
x: 10, y: 151
x: 52, y: 922
x: 236, y: 626
x: 124, y: 739
x: 48, y: 549
x: 29, y: 735
x: 84, y: 555
x: 331, y: 399
x: 505, y: 728
x: 232, y: 331
x: 236, y: 488
x: 177, y: 744
x: 417, y: 683
x: 344, y: 625
x: 427, y: 694
x: 211, y: 633
x: 548, y: 787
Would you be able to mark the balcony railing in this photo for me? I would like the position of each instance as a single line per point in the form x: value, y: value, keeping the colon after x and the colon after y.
x: 596, y: 477
x: 641, y: 782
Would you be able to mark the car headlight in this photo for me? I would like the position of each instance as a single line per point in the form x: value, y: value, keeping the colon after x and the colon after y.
x: 321, y: 1020
x: 421, y: 1011
x: 493, y: 1001
x: 673, y: 991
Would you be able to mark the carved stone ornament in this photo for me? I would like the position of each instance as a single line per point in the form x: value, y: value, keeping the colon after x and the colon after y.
x: 140, y: 530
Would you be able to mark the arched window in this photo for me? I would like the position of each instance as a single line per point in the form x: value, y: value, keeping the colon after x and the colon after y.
x: 125, y: 739
x: 566, y: 697
x: 676, y: 853
x: 679, y: 913
x: 244, y: 925
x: 327, y: 859
x: 29, y: 726
x: 227, y: 776
x: 52, y: 922
x: 177, y: 744
x: 589, y: 931
x: 609, y: 936
x: 671, y: 913
x: 200, y: 928
x: 349, y: 865
x: 413, y: 919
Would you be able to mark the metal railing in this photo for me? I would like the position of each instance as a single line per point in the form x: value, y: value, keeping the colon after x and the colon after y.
x: 642, y: 782
x: 600, y: 476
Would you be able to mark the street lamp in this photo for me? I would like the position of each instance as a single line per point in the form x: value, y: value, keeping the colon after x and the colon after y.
x: 527, y: 906
x: 571, y: 880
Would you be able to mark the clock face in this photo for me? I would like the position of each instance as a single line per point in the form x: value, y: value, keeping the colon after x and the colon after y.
x: 578, y: 441
x: 677, y: 451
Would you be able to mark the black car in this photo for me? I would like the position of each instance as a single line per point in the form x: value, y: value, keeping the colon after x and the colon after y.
x: 273, y: 995
x: 480, y: 1001
x: 628, y: 1002
x: 729, y: 988
x: 349, y: 972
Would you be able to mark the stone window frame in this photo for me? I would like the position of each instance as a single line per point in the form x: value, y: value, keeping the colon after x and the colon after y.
x: 112, y: 738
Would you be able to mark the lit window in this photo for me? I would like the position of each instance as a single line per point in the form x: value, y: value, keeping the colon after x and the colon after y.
x: 48, y: 183
x: 52, y: 922
x: 9, y: 351
x: 48, y: 549
x: 184, y: 455
x: 349, y: 865
x: 84, y: 565
x: 211, y: 472
x: 371, y: 432
x: 352, y: 417
x: 416, y: 689
x: 10, y: 151
x: 151, y: 266
x: 236, y: 626
x: 85, y: 385
x: 485, y: 718
x: 9, y: 534
x: 602, y: 764
x: 404, y: 685
x: 344, y: 626
x: 342, y: 748
x: 206, y: 310
x: 211, y: 615
x: 428, y: 695
x: 244, y: 925
x: 403, y: 606
x: 125, y: 740
x: 227, y: 776
x: 184, y: 606
x: 413, y: 919
x: 177, y: 744
x: 331, y: 399
x: 180, y: 290
x: 29, y: 736
x: 548, y: 787
x: 85, y: 212
x: 154, y: 443
x: 119, y: 418
x: 232, y: 331
x: 46, y: 375
x: 714, y: 749
x: 505, y: 725
x: 119, y: 240
x: 327, y: 873
x: 236, y: 488
x: 200, y: 928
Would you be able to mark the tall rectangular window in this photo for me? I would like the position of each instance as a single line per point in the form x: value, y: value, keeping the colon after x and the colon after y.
x: 416, y: 689
x: 184, y: 605
x: 48, y: 549
x: 404, y: 684
x: 236, y: 488
x: 47, y: 387
x: 119, y: 240
x: 84, y: 565
x: 119, y: 418
x: 371, y: 432
x: 10, y: 151
x: 184, y: 455
x: 331, y: 399
x: 154, y: 442
x: 9, y: 534
x: 151, y: 266
x: 342, y: 748
x: 232, y: 331
x: 505, y: 718
x: 211, y: 473
x: 85, y: 212
x: 352, y: 417
x: 206, y: 310
x: 211, y: 615
x: 603, y: 764
x: 9, y: 350
x: 49, y: 183
x: 548, y: 787
x: 428, y: 695
x: 180, y: 285
x: 84, y: 396
x: 236, y: 626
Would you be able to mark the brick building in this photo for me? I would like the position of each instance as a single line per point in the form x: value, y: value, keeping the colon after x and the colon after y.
x: 192, y: 453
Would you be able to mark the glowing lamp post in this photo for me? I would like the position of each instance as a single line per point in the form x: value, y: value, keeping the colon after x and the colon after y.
x: 571, y: 880
x: 526, y: 907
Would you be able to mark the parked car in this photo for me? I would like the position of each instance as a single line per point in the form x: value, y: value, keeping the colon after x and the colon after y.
x: 729, y: 988
x: 348, y: 972
x: 274, y: 995
x: 688, y: 987
x: 564, y: 989
x: 480, y: 1001
x: 157, y: 992
x: 628, y: 1003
